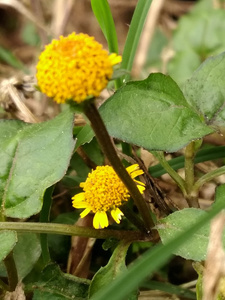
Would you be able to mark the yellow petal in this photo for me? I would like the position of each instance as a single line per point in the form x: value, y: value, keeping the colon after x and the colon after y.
x: 79, y: 205
x: 134, y: 170
x: 136, y: 173
x: 139, y: 182
x: 85, y: 212
x: 79, y: 197
x: 115, y: 59
x: 82, y: 184
x: 141, y: 188
x: 100, y: 220
x: 78, y: 201
x: 117, y: 215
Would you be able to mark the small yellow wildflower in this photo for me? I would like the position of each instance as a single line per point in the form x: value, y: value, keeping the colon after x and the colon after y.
x: 105, y: 192
x: 74, y: 67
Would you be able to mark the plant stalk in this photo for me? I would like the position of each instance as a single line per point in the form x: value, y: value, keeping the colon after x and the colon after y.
x: 103, y: 137
x: 189, y: 155
x: 11, y: 270
x: 173, y: 174
x: 73, y: 230
x: 207, y: 177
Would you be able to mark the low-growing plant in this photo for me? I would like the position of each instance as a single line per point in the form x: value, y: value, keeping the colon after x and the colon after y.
x: 117, y: 190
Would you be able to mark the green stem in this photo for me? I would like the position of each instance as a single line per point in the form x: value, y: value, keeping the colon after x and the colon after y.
x: 11, y: 270
x: 2, y: 217
x: 73, y: 230
x: 132, y: 217
x: 104, y: 140
x: 44, y: 217
x: 178, y: 162
x: 173, y: 174
x: 189, y: 155
x: 207, y: 177
x: 3, y: 286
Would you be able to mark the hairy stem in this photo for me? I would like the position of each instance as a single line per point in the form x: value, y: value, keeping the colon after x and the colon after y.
x: 104, y: 140
x: 73, y: 230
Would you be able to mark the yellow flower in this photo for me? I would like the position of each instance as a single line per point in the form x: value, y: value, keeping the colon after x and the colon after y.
x: 105, y: 192
x: 74, y: 68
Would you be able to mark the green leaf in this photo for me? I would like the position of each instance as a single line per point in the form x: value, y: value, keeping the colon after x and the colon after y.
x: 196, y: 247
x: 202, y: 31
x: 183, y: 64
x: 103, y: 14
x: 54, y: 284
x: 94, y: 152
x: 205, y: 90
x: 107, y: 274
x: 26, y: 253
x: 178, y: 222
x: 198, y: 36
x: 134, y: 34
x: 8, y: 57
x: 85, y: 135
x: 155, y: 258
x: 32, y: 158
x: 153, y: 114
x: 203, y: 5
x: 8, y: 241
x: 45, y: 295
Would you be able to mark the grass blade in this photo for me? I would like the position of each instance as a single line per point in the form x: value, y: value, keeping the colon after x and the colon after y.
x: 154, y: 258
x: 103, y: 14
x: 134, y: 33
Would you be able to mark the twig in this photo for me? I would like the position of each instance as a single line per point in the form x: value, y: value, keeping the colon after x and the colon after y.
x: 147, y: 35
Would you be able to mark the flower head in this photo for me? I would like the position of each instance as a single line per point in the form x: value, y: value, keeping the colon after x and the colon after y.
x: 105, y: 192
x: 74, y: 67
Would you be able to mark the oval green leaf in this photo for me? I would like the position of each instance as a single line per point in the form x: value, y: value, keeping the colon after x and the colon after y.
x: 32, y: 158
x: 153, y: 114
x: 180, y: 221
x: 176, y: 223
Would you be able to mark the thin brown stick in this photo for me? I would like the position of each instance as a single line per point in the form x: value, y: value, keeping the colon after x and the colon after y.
x: 147, y: 35
x: 61, y: 13
x: 38, y: 12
